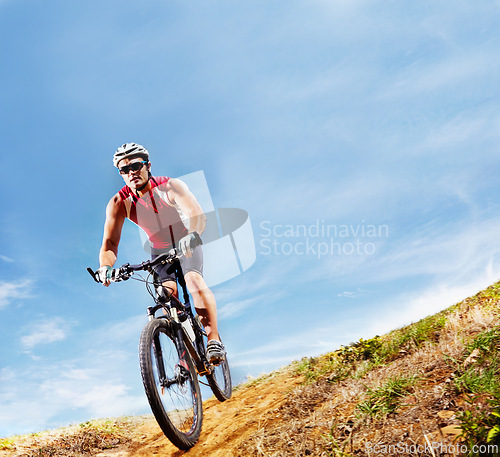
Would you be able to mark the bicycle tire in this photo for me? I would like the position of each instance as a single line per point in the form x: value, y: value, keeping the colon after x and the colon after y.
x: 219, y: 380
x: 176, y: 399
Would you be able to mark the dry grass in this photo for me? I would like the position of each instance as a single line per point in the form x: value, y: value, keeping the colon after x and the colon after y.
x: 407, y: 388
x: 323, y: 418
x: 75, y: 441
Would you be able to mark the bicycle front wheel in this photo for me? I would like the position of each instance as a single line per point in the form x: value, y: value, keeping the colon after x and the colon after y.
x: 171, y: 383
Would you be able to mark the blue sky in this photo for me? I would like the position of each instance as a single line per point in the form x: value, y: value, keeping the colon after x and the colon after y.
x: 358, y: 115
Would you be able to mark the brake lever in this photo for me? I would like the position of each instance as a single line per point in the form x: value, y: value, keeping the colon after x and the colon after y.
x: 93, y: 274
x: 122, y: 274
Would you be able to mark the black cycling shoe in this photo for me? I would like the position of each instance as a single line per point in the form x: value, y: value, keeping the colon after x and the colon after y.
x: 215, y: 352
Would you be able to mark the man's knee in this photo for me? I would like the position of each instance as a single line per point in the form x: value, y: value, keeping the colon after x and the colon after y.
x: 195, y: 282
x: 170, y: 287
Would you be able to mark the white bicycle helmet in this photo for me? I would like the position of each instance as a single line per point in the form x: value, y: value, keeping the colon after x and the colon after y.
x: 128, y: 150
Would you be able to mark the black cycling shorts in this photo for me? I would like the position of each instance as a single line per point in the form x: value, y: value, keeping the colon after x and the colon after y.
x: 193, y: 263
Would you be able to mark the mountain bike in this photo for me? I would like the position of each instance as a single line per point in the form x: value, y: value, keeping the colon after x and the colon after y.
x: 172, y: 355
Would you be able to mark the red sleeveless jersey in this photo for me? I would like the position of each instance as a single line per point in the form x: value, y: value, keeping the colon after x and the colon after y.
x: 162, y: 221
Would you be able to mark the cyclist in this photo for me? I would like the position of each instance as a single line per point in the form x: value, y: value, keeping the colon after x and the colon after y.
x: 169, y: 214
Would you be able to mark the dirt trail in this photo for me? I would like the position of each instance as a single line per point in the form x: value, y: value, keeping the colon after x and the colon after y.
x: 225, y: 425
x: 279, y: 414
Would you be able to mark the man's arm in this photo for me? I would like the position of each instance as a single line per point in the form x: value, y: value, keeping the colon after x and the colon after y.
x: 115, y: 216
x: 179, y: 194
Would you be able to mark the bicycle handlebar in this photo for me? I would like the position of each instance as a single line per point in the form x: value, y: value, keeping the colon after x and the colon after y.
x: 125, y: 271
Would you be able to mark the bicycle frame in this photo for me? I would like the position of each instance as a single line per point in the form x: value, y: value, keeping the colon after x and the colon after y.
x: 178, y: 313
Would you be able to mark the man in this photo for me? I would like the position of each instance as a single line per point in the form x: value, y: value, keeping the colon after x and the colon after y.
x: 169, y: 214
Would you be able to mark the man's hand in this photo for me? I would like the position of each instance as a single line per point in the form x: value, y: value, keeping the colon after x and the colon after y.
x: 189, y: 242
x: 105, y: 274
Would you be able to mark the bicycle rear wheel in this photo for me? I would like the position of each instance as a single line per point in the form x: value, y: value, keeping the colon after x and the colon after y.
x: 220, y: 382
x: 171, y: 384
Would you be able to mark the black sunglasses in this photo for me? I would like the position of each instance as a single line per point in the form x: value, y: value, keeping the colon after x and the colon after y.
x: 136, y: 166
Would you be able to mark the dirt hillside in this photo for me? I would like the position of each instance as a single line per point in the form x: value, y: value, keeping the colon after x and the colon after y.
x: 225, y: 426
x: 431, y: 388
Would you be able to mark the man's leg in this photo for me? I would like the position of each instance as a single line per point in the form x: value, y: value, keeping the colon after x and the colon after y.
x: 204, y: 303
x: 171, y: 287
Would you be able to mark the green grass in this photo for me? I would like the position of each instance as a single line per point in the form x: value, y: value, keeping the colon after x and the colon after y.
x: 480, y: 377
x: 486, y: 342
x: 331, y: 367
x: 358, y: 358
x: 387, y: 397
x: 333, y: 448
x: 412, y: 337
x: 74, y: 441
x: 6, y: 444
x: 478, y: 381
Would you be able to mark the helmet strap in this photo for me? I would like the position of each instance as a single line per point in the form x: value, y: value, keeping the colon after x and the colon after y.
x: 143, y: 186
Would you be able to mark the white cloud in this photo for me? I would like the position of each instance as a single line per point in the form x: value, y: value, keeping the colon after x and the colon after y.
x: 233, y: 298
x: 102, y: 380
x: 6, y: 259
x: 451, y: 72
x: 315, y: 338
x: 6, y: 374
x: 99, y: 398
x: 122, y: 331
x: 237, y: 305
x: 45, y: 332
x: 426, y: 303
x: 442, y: 251
x: 327, y: 335
x: 263, y: 362
x: 352, y: 293
x: 236, y: 308
x: 45, y: 395
x: 13, y: 290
